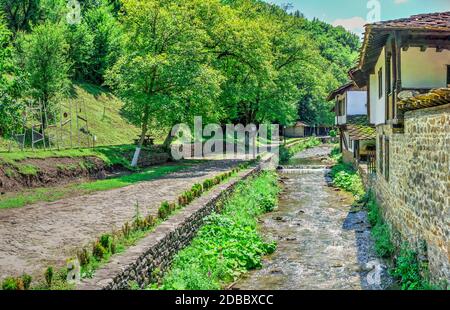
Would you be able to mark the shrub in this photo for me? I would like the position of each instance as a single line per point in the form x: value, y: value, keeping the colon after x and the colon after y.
x: 49, y: 276
x: 83, y: 257
x: 26, y: 279
x: 382, y: 236
x: 346, y: 177
x: 126, y: 230
x: 106, y: 241
x: 98, y: 251
x: 164, y: 210
x: 9, y: 284
x: 197, y: 190
x: 409, y: 270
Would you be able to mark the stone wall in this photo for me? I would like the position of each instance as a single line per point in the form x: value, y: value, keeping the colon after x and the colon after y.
x: 415, y: 198
x: 152, y: 256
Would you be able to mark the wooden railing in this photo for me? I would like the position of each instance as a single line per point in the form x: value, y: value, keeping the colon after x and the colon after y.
x: 372, y: 161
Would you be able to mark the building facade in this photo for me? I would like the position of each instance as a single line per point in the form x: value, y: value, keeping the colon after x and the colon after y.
x: 356, y: 136
x: 405, y: 65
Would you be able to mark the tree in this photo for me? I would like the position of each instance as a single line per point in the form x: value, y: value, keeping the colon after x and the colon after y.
x: 43, y: 54
x: 106, y: 49
x: 21, y: 14
x: 81, y: 50
x: 164, y: 76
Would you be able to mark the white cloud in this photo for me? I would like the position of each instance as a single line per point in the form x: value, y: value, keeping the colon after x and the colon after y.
x: 353, y: 24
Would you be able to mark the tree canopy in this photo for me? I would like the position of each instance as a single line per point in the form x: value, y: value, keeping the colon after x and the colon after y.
x: 168, y: 60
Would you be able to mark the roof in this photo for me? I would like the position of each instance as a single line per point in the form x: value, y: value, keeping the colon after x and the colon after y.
x: 433, y: 98
x: 376, y: 34
x: 359, y: 129
x: 340, y: 90
x: 299, y: 124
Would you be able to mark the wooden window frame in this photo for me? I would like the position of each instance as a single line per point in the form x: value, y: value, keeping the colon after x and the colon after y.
x: 448, y: 75
x: 380, y: 83
x: 381, y: 155
x: 387, y: 149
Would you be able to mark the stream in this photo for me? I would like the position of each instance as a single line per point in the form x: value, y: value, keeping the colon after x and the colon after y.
x: 321, y: 243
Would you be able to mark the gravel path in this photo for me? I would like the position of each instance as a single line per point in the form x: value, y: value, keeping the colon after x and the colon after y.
x: 37, y: 236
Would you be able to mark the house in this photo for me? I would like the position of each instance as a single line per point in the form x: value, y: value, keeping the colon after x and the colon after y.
x: 356, y: 136
x: 405, y: 65
x: 301, y: 129
x: 296, y: 131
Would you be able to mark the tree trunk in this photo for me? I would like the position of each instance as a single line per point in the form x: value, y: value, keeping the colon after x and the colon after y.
x: 137, y: 152
x: 168, y: 141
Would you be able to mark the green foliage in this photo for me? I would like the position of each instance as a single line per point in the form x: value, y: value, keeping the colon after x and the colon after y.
x: 9, y: 284
x: 48, y: 275
x: 333, y: 133
x: 228, y: 244
x: 410, y: 270
x: 81, y: 50
x: 164, y: 210
x: 346, y: 177
x: 43, y: 55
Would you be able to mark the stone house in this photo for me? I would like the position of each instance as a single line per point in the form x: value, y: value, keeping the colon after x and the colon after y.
x: 301, y: 129
x: 356, y: 136
x: 405, y: 65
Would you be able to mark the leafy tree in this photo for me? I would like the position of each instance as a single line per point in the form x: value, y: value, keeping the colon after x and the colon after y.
x: 106, y: 32
x: 43, y: 54
x: 163, y: 76
x: 21, y: 14
x: 81, y: 50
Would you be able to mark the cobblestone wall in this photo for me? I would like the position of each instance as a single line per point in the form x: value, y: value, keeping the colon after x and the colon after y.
x: 415, y: 198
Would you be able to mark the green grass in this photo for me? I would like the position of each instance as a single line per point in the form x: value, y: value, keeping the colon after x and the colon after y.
x: 103, y: 114
x: 16, y: 200
x: 229, y: 244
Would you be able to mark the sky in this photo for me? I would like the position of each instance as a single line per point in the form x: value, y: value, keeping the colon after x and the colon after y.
x: 353, y: 14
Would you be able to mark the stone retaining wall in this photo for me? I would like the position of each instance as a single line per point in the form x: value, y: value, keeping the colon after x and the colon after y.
x: 152, y: 256
x: 415, y: 198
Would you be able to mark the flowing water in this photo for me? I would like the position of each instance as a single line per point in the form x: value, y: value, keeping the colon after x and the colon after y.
x: 320, y: 243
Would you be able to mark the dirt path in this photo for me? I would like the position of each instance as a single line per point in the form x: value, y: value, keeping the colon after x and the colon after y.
x: 37, y: 236
x: 320, y: 243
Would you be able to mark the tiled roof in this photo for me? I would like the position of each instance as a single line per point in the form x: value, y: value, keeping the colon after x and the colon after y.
x: 434, y: 98
x: 359, y: 129
x: 376, y: 34
x: 439, y: 21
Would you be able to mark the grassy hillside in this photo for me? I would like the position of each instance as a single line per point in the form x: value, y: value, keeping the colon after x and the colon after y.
x: 103, y: 114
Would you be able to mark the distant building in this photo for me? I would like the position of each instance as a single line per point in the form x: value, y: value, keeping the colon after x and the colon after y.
x: 356, y: 136
x: 301, y: 129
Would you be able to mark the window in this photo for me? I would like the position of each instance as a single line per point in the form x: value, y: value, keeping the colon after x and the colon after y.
x: 448, y: 75
x: 388, y: 73
x: 386, y: 168
x: 380, y: 157
x: 380, y: 83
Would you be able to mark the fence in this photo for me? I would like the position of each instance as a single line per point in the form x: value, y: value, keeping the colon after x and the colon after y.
x: 372, y: 162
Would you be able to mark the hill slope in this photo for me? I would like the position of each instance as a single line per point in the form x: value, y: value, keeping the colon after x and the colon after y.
x: 103, y: 115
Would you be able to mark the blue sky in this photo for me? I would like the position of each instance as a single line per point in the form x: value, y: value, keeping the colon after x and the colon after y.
x: 352, y: 14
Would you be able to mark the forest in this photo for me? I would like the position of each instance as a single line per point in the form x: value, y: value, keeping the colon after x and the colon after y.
x: 229, y: 61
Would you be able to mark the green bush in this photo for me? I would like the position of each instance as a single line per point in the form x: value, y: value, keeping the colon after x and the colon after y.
x: 383, y: 245
x: 9, y: 284
x: 164, y: 210
x: 346, y: 177
x: 98, y: 251
x: 409, y: 270
x: 48, y: 275
x: 228, y: 244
